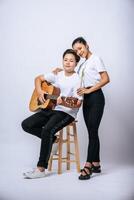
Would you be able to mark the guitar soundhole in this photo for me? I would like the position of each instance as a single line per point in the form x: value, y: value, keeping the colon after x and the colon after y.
x: 39, y: 102
x: 45, y: 96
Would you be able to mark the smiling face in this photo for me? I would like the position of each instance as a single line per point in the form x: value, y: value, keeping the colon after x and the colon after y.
x: 81, y: 49
x: 69, y: 62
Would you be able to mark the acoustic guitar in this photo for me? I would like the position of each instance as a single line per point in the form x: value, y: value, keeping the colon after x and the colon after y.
x: 51, y: 93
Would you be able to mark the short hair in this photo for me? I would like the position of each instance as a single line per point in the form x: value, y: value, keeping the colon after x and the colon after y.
x: 71, y: 51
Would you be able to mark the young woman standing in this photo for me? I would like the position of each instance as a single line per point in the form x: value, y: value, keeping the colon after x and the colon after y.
x: 93, y: 77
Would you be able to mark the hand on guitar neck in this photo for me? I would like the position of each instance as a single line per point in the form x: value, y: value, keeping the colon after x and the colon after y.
x: 70, y: 102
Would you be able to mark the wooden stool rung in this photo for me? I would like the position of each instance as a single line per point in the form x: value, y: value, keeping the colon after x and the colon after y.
x: 72, y: 135
x: 71, y: 153
x: 71, y: 161
x: 68, y: 161
x: 71, y: 141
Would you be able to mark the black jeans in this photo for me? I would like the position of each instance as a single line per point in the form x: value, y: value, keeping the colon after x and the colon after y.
x: 93, y: 107
x: 45, y: 124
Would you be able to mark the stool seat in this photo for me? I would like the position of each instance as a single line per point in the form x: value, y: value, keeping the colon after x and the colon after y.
x: 70, y: 136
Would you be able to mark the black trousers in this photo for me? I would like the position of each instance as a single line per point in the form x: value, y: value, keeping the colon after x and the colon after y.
x: 93, y: 106
x: 45, y: 124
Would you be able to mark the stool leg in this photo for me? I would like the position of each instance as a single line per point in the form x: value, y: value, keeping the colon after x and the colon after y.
x: 68, y: 147
x: 77, y: 158
x: 60, y: 152
x: 50, y: 163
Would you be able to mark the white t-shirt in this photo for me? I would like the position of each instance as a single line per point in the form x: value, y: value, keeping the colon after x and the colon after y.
x: 68, y: 87
x: 89, y: 71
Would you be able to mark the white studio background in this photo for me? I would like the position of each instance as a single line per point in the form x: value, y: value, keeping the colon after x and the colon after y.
x: 33, y: 37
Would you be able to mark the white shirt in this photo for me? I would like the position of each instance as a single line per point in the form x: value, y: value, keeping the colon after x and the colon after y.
x: 89, y: 71
x: 68, y: 87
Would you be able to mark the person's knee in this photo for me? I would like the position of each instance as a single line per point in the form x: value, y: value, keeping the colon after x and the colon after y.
x: 25, y: 126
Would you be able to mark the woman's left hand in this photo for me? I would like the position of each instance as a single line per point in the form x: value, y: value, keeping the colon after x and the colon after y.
x: 59, y: 100
x: 82, y: 91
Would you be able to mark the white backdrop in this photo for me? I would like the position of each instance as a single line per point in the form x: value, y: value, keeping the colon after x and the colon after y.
x: 33, y: 37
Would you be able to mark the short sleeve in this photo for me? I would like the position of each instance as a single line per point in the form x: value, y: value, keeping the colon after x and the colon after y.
x: 100, y: 65
x: 50, y: 77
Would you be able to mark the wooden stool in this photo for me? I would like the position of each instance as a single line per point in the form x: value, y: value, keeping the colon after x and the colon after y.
x: 70, y: 138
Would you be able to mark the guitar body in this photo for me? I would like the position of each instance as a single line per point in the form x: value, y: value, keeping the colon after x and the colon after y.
x: 48, y: 88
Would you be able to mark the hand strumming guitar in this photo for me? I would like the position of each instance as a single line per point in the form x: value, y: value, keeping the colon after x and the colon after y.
x: 40, y: 95
x: 38, y: 86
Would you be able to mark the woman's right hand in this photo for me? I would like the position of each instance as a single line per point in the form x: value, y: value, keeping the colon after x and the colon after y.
x: 57, y: 70
x: 41, y: 96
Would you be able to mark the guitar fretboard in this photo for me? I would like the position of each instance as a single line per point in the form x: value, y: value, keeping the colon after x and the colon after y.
x: 50, y: 96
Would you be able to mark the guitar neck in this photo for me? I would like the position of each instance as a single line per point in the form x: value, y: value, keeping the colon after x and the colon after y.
x: 50, y: 96
x: 69, y: 102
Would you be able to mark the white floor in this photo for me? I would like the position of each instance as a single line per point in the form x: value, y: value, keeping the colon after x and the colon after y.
x: 114, y: 183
